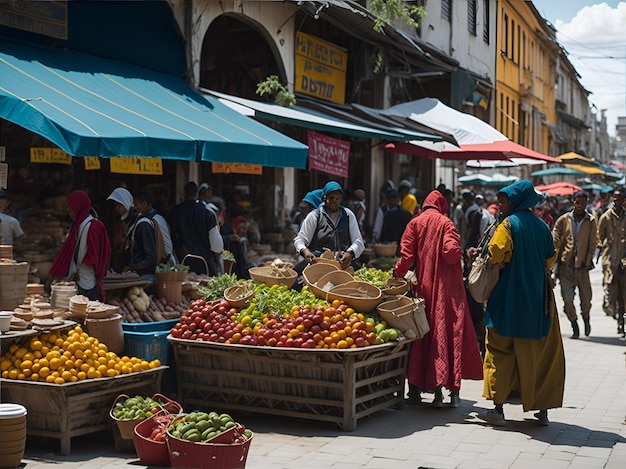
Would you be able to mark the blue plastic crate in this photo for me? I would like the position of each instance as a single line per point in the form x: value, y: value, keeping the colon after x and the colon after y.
x: 149, y: 346
x: 149, y: 326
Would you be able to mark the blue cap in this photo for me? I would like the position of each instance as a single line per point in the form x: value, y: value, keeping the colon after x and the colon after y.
x: 331, y: 186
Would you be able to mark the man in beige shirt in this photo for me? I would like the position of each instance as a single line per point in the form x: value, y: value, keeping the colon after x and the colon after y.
x: 575, y: 239
x: 612, y: 239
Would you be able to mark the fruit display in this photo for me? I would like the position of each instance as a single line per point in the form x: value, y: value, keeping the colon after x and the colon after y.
x: 206, y: 427
x: 377, y: 277
x: 136, y: 407
x: 327, y: 326
x: 59, y: 357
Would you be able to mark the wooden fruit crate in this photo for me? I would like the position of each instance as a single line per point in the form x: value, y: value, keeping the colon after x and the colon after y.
x: 67, y: 410
x: 340, y: 386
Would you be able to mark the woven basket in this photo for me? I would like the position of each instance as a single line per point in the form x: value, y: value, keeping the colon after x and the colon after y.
x: 270, y: 276
x: 406, y: 314
x: 396, y: 286
x: 238, y: 295
x: 108, y: 331
x: 334, y: 278
x: 313, y: 272
x: 362, y: 296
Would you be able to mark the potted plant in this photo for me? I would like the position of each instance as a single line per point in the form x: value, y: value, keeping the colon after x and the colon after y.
x: 173, y: 271
x: 229, y: 260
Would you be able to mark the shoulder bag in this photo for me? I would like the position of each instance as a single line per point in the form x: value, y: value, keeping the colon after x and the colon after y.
x: 483, y: 275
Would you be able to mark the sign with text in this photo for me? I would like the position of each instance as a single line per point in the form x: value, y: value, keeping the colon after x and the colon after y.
x: 328, y: 154
x: 239, y: 168
x: 320, y: 68
x: 133, y: 165
x: 47, y: 18
x: 91, y: 163
x: 4, y: 175
x: 49, y: 155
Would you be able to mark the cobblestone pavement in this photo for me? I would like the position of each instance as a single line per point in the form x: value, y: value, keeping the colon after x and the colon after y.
x: 588, y: 432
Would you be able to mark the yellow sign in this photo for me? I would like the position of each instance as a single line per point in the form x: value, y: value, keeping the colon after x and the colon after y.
x: 239, y: 168
x: 49, y: 155
x: 91, y: 163
x: 131, y: 165
x: 320, y: 68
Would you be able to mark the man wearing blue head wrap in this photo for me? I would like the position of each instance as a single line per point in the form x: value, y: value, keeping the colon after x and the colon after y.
x: 524, y: 349
x: 331, y: 226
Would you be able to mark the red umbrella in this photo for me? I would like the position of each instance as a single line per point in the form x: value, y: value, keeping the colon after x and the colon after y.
x: 559, y: 188
x: 498, y: 150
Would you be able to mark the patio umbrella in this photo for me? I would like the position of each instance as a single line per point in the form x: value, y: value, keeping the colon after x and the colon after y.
x: 476, y: 179
x: 500, y: 180
x: 510, y: 163
x: 436, y: 116
x: 586, y: 169
x: 574, y: 158
x: 559, y: 188
x: 592, y: 187
x: 557, y: 170
x: 497, y: 150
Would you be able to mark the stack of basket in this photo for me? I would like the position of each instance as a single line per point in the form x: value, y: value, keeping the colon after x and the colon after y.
x: 6, y: 251
x: 97, y: 310
x: 61, y: 293
x: 13, y: 280
x: 78, y: 306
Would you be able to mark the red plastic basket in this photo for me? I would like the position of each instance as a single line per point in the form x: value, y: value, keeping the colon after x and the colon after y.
x: 126, y: 426
x: 151, y: 453
x: 189, y: 454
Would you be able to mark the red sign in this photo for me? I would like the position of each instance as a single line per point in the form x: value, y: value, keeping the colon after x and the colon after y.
x: 328, y: 154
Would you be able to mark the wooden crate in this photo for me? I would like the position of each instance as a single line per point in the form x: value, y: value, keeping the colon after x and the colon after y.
x: 67, y: 410
x: 339, y: 386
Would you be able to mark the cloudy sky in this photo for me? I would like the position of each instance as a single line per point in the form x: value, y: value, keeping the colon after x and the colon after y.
x: 594, y: 35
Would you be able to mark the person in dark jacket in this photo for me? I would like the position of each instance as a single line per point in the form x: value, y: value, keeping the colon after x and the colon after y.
x: 195, y: 231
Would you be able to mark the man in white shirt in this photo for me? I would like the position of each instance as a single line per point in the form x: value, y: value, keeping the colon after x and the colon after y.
x: 11, y: 228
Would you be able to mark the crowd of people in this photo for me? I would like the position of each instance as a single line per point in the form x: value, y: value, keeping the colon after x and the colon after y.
x: 512, y: 342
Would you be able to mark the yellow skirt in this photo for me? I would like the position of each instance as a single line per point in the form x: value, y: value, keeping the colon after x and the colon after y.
x: 534, y: 367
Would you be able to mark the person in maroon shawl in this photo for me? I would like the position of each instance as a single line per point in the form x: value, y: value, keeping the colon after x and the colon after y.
x: 85, y: 254
x: 449, y: 353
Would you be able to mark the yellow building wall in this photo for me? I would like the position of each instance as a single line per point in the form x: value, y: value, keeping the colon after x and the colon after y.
x: 525, y: 78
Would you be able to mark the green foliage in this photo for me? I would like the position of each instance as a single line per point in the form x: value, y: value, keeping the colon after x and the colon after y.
x: 272, y: 86
x: 388, y: 11
x: 214, y: 290
x: 171, y: 266
x: 228, y: 256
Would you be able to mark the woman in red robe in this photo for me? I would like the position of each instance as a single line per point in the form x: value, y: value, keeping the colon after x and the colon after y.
x: 449, y: 352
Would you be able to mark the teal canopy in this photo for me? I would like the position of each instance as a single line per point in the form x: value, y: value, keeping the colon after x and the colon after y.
x: 93, y: 106
x: 557, y: 170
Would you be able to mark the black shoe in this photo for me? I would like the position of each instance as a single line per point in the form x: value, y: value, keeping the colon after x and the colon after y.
x: 576, y: 333
x: 587, y: 328
x: 620, y: 329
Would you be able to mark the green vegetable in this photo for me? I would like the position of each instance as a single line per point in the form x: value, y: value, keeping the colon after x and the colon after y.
x: 377, y: 277
x: 214, y: 290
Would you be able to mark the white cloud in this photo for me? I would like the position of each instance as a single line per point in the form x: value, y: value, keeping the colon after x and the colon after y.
x: 596, y: 42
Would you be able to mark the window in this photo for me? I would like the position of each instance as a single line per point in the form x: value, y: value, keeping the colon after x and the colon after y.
x: 471, y: 16
x: 446, y: 9
x: 512, y: 50
x: 505, y: 38
x: 524, y: 58
x: 501, y: 129
x: 486, y: 22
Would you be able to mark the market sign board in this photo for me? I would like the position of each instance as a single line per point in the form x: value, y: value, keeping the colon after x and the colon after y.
x: 133, y: 165
x: 327, y: 154
x: 47, y: 18
x: 239, y: 168
x: 49, y: 155
x: 320, y: 68
x: 91, y: 163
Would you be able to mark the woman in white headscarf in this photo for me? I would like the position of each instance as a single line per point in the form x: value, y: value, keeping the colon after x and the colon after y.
x: 124, y: 207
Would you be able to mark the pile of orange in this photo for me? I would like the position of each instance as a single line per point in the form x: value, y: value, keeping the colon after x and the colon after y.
x: 67, y: 358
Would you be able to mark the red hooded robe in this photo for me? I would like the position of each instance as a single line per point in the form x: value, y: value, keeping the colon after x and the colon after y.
x: 98, y: 245
x: 449, y: 352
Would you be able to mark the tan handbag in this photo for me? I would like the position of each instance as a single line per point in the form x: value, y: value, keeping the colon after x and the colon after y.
x: 482, y: 278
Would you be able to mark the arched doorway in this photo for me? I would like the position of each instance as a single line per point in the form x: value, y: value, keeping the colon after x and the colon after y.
x: 236, y: 56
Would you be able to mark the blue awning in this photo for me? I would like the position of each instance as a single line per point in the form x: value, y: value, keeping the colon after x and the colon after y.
x: 316, y: 120
x: 93, y: 106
